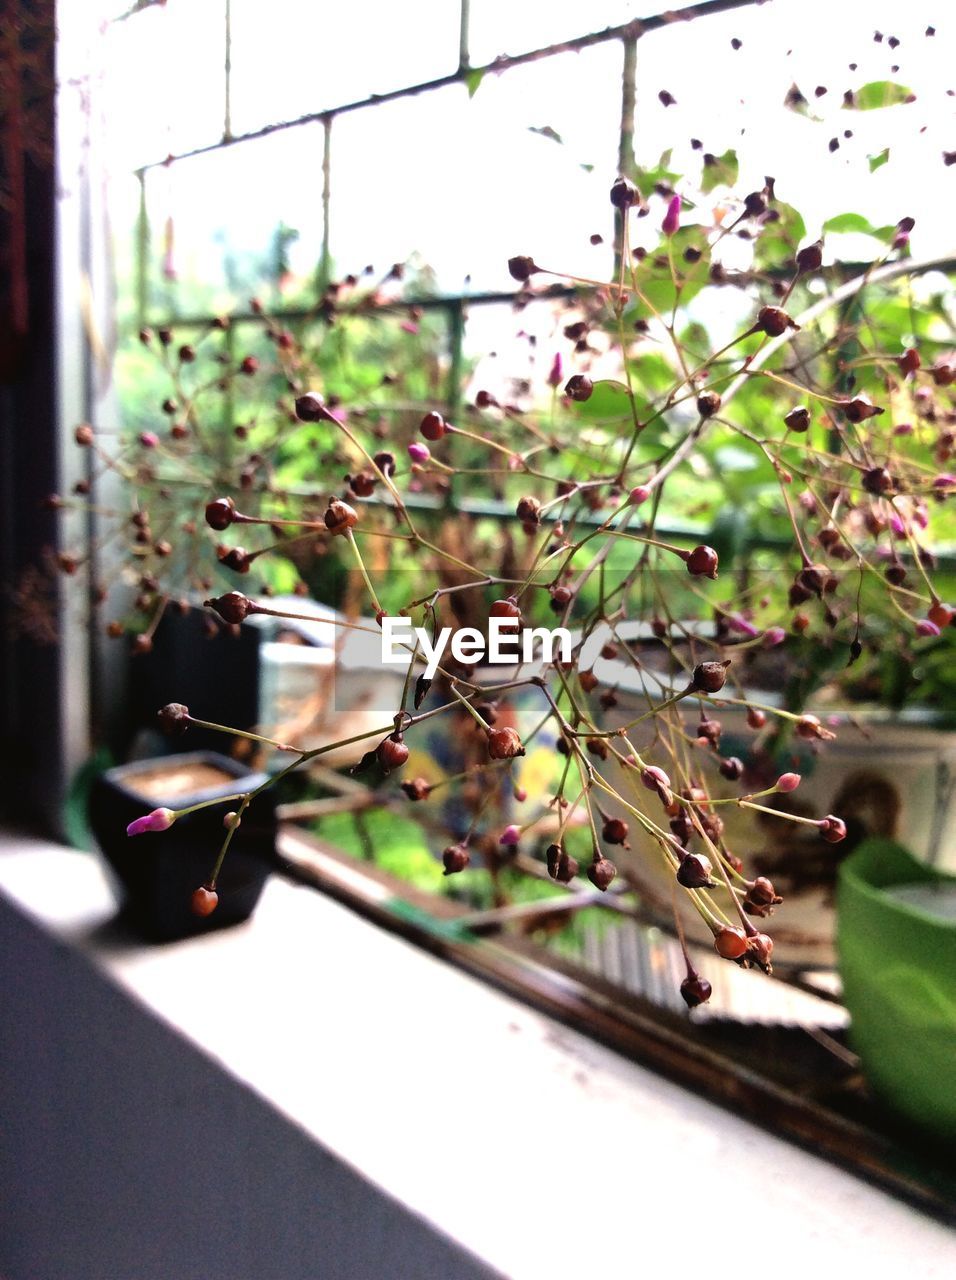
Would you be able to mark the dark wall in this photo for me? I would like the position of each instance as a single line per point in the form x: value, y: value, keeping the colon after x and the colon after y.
x: 31, y: 768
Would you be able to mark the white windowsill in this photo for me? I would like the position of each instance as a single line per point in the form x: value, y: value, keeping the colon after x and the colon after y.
x: 541, y: 1152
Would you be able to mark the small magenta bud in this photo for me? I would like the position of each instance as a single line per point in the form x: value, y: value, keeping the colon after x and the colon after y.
x: 148, y: 439
x: 419, y: 452
x: 671, y: 217
x: 639, y: 494
x: 773, y: 636
x: 556, y: 372
x: 927, y: 628
x: 510, y: 836
x: 158, y: 820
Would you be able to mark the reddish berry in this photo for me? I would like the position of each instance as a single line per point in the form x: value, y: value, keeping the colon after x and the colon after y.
x: 730, y: 943
x: 941, y: 614
x: 248, y: 366
x: 392, y: 753
x: 232, y: 607
x: 615, y: 830
x: 761, y: 948
x: 702, y: 562
x: 220, y: 513
x: 756, y: 718
x: 204, y: 901
x: 504, y: 744
x: 508, y: 609
x: 695, y: 990
x: 433, y: 426
x: 528, y: 510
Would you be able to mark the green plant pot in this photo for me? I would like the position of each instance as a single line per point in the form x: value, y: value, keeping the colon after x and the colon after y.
x: 898, y: 965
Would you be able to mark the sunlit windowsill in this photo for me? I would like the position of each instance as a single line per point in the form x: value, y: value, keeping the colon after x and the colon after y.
x: 540, y: 1152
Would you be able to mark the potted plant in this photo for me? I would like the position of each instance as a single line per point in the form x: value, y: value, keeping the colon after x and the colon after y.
x: 775, y: 486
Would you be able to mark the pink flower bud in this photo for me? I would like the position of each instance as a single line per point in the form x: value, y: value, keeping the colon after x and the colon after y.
x: 671, y: 217
x: 897, y: 524
x: 408, y: 326
x: 903, y: 429
x: 556, y: 376
x: 773, y: 636
x: 419, y: 452
x: 520, y: 795
x: 945, y: 481
x: 739, y: 623
x: 788, y: 782
x: 158, y: 820
x: 510, y: 836
x: 640, y: 494
x: 926, y: 628
x: 148, y: 439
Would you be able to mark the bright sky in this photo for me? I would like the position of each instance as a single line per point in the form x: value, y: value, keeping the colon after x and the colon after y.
x: 465, y: 181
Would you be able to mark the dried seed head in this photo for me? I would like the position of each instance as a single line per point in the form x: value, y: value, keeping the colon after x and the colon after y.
x: 708, y: 403
x: 455, y: 857
x: 504, y: 744
x: 695, y: 990
x: 710, y: 677
x: 528, y: 510
x: 173, y: 718
x: 522, y: 268
x: 797, y: 419
x: 774, y: 321
x: 601, y: 873
x: 624, y: 194
x: 732, y: 768
x: 579, y: 387
x: 696, y: 872
x: 233, y: 607
x: 614, y: 830
x: 340, y: 517
x: 833, y: 829
x: 417, y: 789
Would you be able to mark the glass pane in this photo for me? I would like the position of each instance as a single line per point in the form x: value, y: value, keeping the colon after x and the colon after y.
x: 467, y: 183
x: 739, y: 104
x: 165, y: 88
x: 290, y: 59
x: 236, y: 222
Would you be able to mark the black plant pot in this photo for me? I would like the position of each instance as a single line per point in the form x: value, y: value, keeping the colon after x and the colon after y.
x: 159, y: 871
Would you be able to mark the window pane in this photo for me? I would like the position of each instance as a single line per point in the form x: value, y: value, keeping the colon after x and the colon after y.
x: 739, y: 104
x: 165, y: 88
x: 469, y: 182
x: 236, y: 222
x: 290, y: 59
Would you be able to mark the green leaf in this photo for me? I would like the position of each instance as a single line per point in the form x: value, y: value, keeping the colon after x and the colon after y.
x: 879, y: 93
x: 546, y: 131
x: 880, y: 159
x: 647, y: 179
x: 778, y: 240
x: 719, y: 171
x: 473, y: 79
x: 855, y: 223
x: 653, y: 275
